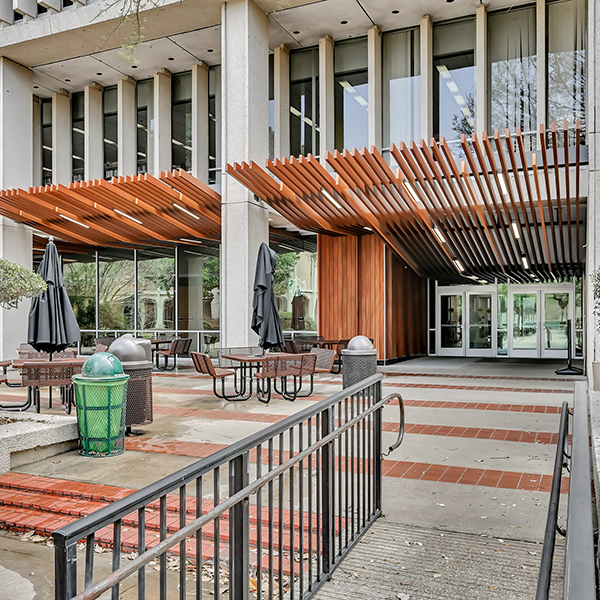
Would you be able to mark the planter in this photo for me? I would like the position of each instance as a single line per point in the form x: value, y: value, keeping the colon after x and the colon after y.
x: 596, y: 373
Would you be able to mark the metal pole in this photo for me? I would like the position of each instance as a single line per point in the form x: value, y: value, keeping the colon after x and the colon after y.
x: 327, y: 491
x: 239, y: 536
x: 65, y: 569
x: 377, y: 457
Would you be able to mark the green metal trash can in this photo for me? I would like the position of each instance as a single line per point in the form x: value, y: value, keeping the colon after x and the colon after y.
x: 100, y: 403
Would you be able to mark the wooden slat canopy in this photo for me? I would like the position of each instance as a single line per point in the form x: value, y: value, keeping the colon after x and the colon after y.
x: 139, y: 209
x: 499, y: 211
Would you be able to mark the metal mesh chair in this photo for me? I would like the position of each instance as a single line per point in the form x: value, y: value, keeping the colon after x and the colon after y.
x: 35, y: 375
x: 203, y: 364
x: 342, y: 345
x: 325, y: 359
x: 177, y: 347
x: 29, y: 353
x: 281, y: 368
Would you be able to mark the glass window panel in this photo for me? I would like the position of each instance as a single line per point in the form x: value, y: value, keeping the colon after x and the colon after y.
x: 46, y: 106
x: 181, y: 121
x: 80, y: 282
x: 578, y: 304
x: 199, y: 288
x: 454, y: 81
x: 214, y: 125
x: 451, y: 321
x: 111, y: 147
x: 513, y: 71
x: 566, y: 66
x: 78, y: 134
x: 181, y: 87
x: 525, y: 321
x: 480, y: 321
x: 351, y: 110
x: 350, y: 55
x: 271, y: 106
x: 401, y: 87
x: 304, y: 102
x: 556, y: 311
x: 145, y: 125
x: 117, y: 289
x: 156, y: 289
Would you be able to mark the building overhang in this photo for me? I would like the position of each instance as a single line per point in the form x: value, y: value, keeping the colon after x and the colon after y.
x: 499, y: 211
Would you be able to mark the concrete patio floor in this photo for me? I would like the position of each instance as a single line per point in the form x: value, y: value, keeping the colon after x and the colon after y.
x: 477, y: 457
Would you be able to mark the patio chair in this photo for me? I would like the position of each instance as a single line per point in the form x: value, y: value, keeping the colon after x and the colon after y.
x: 342, y: 345
x: 291, y: 347
x: 37, y: 374
x: 204, y: 366
x: 325, y: 359
x: 177, y: 347
x: 281, y: 368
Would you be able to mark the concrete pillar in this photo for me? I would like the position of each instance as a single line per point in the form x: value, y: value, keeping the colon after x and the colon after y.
x: 326, y: 98
x: 426, y: 78
x: 37, y: 142
x: 481, y: 70
x: 162, y: 122
x: 62, y: 150
x: 375, y: 87
x: 541, y: 49
x: 245, y: 127
x: 16, y: 170
x: 200, y: 121
x: 126, y: 127
x: 94, y: 132
x: 282, y: 101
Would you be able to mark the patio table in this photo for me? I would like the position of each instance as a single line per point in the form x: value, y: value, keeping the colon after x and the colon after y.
x: 320, y: 343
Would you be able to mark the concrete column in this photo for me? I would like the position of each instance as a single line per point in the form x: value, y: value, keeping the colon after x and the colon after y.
x: 245, y: 127
x: 326, y: 97
x: 94, y: 132
x: 16, y: 170
x: 62, y: 149
x: 126, y: 127
x: 200, y: 121
x: 481, y: 70
x: 541, y: 49
x: 375, y: 87
x: 426, y: 78
x: 162, y: 122
x: 37, y: 142
x: 282, y: 101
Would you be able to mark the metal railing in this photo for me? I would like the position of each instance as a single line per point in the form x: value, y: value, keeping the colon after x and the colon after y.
x: 300, y: 494
x: 580, y: 573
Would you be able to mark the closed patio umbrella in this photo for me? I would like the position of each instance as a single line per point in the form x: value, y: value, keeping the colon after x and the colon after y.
x: 52, y: 322
x: 266, y: 321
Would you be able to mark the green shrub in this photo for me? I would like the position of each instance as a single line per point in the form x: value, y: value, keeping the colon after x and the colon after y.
x: 18, y: 283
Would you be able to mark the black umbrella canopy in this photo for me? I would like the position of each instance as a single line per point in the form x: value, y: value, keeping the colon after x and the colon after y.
x: 266, y: 321
x: 52, y: 322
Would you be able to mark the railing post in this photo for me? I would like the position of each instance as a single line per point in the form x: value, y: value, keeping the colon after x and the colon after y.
x: 327, y: 504
x: 239, y: 536
x: 65, y: 568
x: 377, y: 457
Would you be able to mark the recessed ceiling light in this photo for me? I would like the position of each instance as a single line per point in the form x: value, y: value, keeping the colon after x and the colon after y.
x: 210, y: 50
x: 36, y: 87
x: 449, y: 1
x: 67, y: 80
x: 343, y: 22
x: 296, y: 32
x: 98, y: 73
x: 395, y: 12
x: 170, y: 58
x: 134, y: 66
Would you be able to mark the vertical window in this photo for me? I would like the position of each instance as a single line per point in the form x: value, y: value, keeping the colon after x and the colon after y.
x: 271, y: 106
x: 304, y: 102
x: 566, y: 62
x: 401, y: 87
x: 78, y: 135
x: 454, y: 82
x: 156, y: 289
x: 46, y: 141
x: 181, y: 121
x: 214, y: 125
x: 513, y: 72
x: 116, y: 292
x: 145, y: 121
x: 351, y: 95
x: 111, y: 144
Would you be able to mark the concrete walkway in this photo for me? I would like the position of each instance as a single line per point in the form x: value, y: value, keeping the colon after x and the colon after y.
x: 476, y: 463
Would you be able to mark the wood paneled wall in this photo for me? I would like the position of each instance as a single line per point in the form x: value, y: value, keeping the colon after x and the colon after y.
x: 366, y: 289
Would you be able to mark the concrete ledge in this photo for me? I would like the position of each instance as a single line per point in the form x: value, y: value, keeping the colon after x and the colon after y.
x: 594, y: 411
x: 27, y: 438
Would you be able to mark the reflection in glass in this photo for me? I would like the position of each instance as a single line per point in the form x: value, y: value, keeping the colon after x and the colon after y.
x: 46, y: 106
x: 451, y: 321
x: 271, y: 106
x: 117, y: 288
x: 502, y: 327
x: 513, y: 72
x: 214, y: 125
x: 567, y: 37
x: 480, y: 321
x: 111, y: 144
x: 181, y: 121
x: 556, y: 311
x: 145, y: 125
x: 525, y: 322
x: 401, y: 87
x: 78, y: 135
x: 156, y: 289
x: 454, y: 82
x: 304, y: 102
x: 80, y: 281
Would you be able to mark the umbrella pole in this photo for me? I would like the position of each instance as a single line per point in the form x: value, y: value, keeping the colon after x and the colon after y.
x: 50, y: 388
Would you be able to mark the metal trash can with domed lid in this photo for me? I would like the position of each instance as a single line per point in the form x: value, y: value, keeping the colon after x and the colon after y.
x: 100, y: 403
x: 359, y: 360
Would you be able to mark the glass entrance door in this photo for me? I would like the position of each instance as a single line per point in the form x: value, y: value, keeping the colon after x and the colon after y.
x: 451, y: 325
x: 480, y: 341
x: 557, y: 311
x: 524, y: 341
